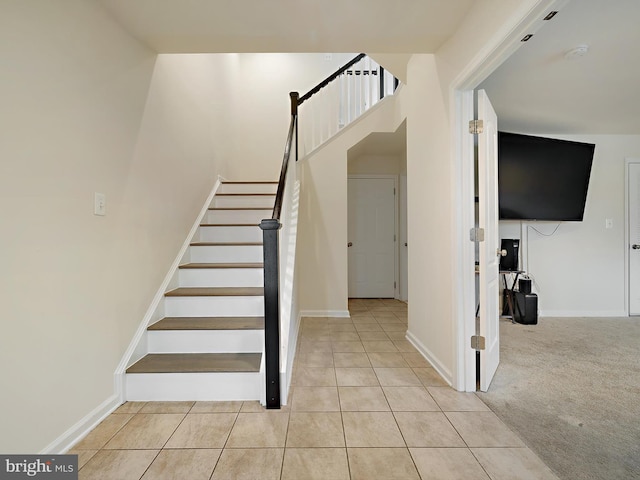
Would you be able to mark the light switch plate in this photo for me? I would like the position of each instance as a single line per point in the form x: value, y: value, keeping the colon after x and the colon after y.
x: 99, y: 204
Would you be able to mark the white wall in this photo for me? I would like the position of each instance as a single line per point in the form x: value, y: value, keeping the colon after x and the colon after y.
x: 579, y: 270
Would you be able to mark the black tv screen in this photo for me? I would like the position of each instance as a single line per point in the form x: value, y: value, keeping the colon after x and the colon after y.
x: 542, y: 178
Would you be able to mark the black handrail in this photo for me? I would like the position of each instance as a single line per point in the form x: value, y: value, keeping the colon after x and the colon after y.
x: 277, y: 207
x: 330, y: 78
x: 271, y: 247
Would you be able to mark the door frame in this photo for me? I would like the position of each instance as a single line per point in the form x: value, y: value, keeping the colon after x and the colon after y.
x: 500, y: 46
x: 396, y: 230
x: 628, y: 161
x: 403, y: 249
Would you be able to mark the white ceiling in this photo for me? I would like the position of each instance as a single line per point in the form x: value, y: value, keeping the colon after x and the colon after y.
x: 538, y: 91
x: 201, y: 26
x: 535, y: 91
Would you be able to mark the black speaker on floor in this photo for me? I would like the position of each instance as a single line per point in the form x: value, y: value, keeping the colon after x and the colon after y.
x: 524, y: 285
x: 509, y: 263
x: 525, y: 308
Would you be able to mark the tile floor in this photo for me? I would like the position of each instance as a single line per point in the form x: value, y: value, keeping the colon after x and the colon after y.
x: 363, y: 405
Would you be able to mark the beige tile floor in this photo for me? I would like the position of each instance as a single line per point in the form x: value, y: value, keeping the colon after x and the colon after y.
x: 364, y: 404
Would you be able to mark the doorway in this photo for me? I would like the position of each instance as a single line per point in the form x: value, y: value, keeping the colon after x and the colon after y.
x: 372, y: 236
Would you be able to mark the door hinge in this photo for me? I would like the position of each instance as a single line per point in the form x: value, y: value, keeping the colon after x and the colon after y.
x: 394, y: 190
x: 394, y: 238
x: 476, y: 234
x: 475, y: 127
x: 477, y: 342
x: 394, y: 285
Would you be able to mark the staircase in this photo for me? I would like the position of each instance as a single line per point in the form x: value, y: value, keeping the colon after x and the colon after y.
x: 210, y: 342
x: 220, y: 334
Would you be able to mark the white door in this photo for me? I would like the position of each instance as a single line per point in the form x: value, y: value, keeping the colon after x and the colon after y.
x: 488, y: 255
x: 371, y: 237
x: 634, y: 238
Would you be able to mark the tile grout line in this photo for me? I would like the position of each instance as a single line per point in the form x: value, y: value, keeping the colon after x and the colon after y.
x: 344, y: 431
x: 226, y: 440
x: 165, y: 443
x: 388, y: 404
x: 284, y: 447
x: 110, y: 438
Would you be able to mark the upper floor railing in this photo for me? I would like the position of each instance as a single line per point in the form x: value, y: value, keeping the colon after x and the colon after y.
x: 341, y: 98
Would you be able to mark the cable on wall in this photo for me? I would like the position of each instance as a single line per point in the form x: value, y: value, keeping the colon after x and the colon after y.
x: 544, y: 234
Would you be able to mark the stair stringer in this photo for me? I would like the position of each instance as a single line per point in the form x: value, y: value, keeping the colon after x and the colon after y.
x: 138, y: 347
x: 385, y: 116
x: 289, y: 314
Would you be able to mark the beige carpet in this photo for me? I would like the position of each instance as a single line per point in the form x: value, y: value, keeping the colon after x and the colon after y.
x: 570, y: 387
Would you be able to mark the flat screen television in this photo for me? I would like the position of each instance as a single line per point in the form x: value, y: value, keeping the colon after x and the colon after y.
x: 542, y: 178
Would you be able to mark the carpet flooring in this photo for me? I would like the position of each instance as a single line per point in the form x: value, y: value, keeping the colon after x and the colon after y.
x: 570, y: 387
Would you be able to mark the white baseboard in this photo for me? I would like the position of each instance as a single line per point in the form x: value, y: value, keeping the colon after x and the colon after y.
x: 77, y: 432
x: 426, y: 353
x: 325, y: 313
x: 582, y: 313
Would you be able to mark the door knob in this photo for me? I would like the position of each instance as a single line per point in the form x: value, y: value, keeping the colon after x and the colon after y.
x: 350, y: 244
x: 501, y: 253
x: 635, y: 246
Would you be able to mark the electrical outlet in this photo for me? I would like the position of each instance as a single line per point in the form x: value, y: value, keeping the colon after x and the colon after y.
x: 99, y: 204
x: 328, y: 57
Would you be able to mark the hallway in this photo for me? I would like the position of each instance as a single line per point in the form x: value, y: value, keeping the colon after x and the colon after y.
x: 364, y: 404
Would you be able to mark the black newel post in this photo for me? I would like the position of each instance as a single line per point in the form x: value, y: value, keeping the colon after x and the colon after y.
x: 295, y: 99
x: 270, y: 229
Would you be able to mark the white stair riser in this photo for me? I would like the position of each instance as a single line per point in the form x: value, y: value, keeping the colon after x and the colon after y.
x: 236, y: 216
x: 214, y: 306
x: 230, y: 234
x: 221, y: 277
x: 206, y: 341
x: 248, y: 188
x: 226, y: 254
x: 243, y: 201
x: 193, y: 386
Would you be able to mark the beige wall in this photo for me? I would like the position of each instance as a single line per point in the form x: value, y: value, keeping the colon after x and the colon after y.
x: 429, y: 211
x: 87, y: 108
x: 322, y: 229
x: 433, y: 178
x: 376, y: 164
x: 74, y: 90
x: 259, y: 112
